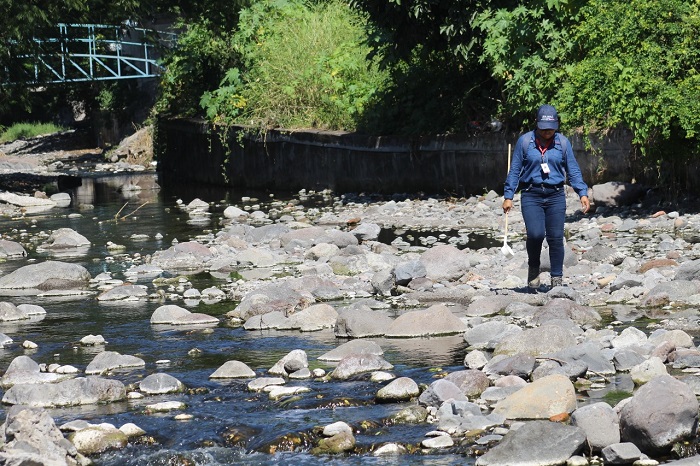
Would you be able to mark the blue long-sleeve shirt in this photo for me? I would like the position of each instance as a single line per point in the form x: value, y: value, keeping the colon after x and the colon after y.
x: 526, y: 165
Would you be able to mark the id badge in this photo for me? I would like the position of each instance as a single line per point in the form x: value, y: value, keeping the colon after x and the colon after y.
x: 545, y: 168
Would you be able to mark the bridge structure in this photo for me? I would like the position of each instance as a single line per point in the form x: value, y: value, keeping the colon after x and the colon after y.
x: 91, y: 52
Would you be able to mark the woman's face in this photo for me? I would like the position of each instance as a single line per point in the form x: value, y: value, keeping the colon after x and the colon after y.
x: 546, y: 134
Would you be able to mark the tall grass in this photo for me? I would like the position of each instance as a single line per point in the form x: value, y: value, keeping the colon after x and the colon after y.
x: 305, y: 65
x: 27, y: 130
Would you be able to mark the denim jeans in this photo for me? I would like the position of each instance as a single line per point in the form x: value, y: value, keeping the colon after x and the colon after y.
x: 544, y: 212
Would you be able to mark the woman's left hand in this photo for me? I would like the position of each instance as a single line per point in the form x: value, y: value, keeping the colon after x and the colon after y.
x: 585, y: 204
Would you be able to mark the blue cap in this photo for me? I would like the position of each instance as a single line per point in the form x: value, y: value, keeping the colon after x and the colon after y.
x: 547, y: 117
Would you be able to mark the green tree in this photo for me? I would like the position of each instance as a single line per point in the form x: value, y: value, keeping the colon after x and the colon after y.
x: 638, y: 68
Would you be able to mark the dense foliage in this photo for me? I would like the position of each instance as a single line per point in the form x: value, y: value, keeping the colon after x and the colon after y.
x: 300, y: 65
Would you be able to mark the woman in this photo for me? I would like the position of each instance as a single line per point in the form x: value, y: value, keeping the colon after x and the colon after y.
x: 542, y: 162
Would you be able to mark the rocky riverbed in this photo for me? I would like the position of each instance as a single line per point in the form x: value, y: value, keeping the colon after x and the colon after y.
x: 602, y: 370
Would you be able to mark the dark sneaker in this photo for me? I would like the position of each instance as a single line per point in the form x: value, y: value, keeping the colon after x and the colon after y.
x: 533, y: 277
x: 556, y: 281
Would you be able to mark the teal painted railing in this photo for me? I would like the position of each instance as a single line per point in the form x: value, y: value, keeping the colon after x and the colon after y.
x: 92, y: 52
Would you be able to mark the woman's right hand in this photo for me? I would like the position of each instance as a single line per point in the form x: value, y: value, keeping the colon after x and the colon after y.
x: 507, y: 205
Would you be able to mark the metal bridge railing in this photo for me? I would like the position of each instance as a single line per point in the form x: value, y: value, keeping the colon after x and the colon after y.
x: 93, y: 52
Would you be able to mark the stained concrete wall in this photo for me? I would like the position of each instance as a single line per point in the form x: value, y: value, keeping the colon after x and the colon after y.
x: 457, y: 164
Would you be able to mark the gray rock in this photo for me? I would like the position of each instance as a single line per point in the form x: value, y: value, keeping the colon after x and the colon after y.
x: 360, y: 321
x: 621, y: 453
x: 560, y: 308
x: 536, y: 443
x: 616, y: 193
x: 471, y: 382
x: 233, y: 370
x: 110, y: 360
x: 357, y: 347
x: 625, y: 359
x: 401, y: 389
x: 404, y: 272
x: 488, y: 334
x: 270, y: 298
x: 291, y: 362
x: 31, y: 309
x: 124, y: 292
x: 445, y: 262
x: 30, y: 436
x: 661, y: 412
x: 572, y: 369
x: 24, y: 370
x: 72, y: 392
x: 537, y: 341
x: 489, y: 305
x: 48, y: 275
x: 436, y: 320
x: 664, y: 293
x: 462, y: 416
x: 9, y: 312
x: 589, y: 353
x: 520, y: 364
x: 440, y: 391
x: 158, y: 384
x: 64, y: 238
x: 182, y: 256
x: 355, y: 364
x: 366, y: 231
x: 11, y: 249
x: 267, y: 321
x: 313, y: 318
x: 600, y: 424
x: 688, y: 270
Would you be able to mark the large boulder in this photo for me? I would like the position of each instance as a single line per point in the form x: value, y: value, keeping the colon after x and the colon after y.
x: 30, y: 436
x: 662, y: 412
x: 542, y: 399
x: 445, y: 262
x: 535, y: 443
x: 73, y: 392
x: 434, y: 321
x: 48, y: 275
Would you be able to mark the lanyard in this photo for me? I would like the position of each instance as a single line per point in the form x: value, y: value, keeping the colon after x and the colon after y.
x: 541, y: 149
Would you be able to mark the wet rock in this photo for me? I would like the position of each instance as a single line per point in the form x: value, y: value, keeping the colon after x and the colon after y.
x: 98, y: 439
x: 438, y: 441
x: 260, y: 383
x: 355, y: 364
x: 357, y: 347
x: 414, y: 414
x: 48, y: 275
x: 621, y: 453
x: 600, y: 423
x: 11, y: 249
x: 92, y: 340
x: 542, y: 399
x: 110, y: 360
x: 360, y: 321
x: 182, y: 256
x: 124, y: 292
x: 233, y: 370
x: 24, y: 370
x: 313, y: 318
x: 171, y: 314
x: 30, y: 436
x: 65, y: 238
x: 434, y: 321
x: 31, y: 309
x: 662, y: 412
x: 401, y: 389
x: 458, y: 417
x: 9, y: 312
x: 30, y: 204
x: 72, y: 392
x: 440, y: 391
x: 271, y: 298
x: 487, y: 335
x: 527, y: 445
x: 338, y: 443
x: 271, y: 320
x: 291, y: 362
x: 158, y: 384
x: 165, y: 406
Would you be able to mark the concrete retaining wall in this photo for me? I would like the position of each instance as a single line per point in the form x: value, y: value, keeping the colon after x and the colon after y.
x: 458, y: 164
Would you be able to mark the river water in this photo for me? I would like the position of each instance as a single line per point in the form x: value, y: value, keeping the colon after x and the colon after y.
x: 230, y: 425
